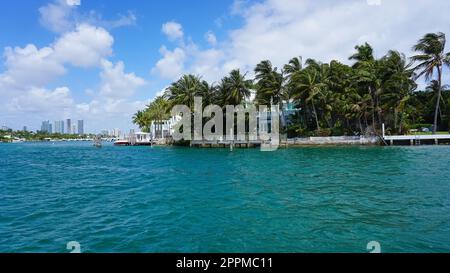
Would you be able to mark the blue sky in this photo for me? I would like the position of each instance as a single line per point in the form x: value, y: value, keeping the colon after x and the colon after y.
x: 102, y: 60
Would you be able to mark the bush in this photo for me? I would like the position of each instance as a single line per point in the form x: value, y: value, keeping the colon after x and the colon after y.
x: 419, y: 126
x: 183, y: 143
x: 322, y: 133
x: 338, y: 129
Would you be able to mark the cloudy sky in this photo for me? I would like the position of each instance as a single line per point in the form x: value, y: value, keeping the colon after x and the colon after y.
x: 102, y: 60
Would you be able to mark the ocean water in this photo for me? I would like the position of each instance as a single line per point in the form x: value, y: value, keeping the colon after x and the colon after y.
x: 143, y: 199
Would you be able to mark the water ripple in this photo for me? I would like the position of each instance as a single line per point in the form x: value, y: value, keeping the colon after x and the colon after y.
x: 141, y: 199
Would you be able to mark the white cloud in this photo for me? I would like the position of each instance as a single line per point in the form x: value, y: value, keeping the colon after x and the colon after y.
x: 373, y: 2
x: 116, y: 83
x: 27, y: 71
x: 173, y: 30
x: 111, y: 106
x: 325, y: 30
x: 63, y: 15
x: 208, y: 64
x: 30, y: 66
x: 124, y: 20
x: 281, y: 29
x: 40, y: 103
x: 210, y: 37
x: 84, y: 47
x: 58, y: 16
x: 107, y: 113
x: 73, y: 2
x: 33, y: 67
x: 171, y: 65
x: 238, y: 6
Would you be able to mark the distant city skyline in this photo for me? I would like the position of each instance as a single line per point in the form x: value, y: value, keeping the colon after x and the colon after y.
x: 61, y: 127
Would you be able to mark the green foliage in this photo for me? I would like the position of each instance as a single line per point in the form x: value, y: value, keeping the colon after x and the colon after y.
x: 333, y: 98
x: 36, y: 136
x: 323, y: 132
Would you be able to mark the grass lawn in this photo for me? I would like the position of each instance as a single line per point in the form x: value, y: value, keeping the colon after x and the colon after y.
x: 430, y: 133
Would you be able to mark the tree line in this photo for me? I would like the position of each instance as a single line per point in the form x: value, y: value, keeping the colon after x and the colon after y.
x: 332, y: 98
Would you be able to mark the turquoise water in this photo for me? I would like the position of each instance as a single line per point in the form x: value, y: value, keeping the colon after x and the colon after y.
x: 142, y: 199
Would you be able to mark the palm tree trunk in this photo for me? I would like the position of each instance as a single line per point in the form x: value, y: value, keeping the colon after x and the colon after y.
x: 438, y: 101
x: 366, y: 121
x: 400, y: 130
x: 379, y: 113
x: 315, y: 115
x: 395, y: 118
x: 373, y: 107
x: 360, y: 125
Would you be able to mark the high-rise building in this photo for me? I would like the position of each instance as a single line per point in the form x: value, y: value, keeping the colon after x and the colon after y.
x: 46, y: 127
x: 57, y: 127
x: 81, y: 127
x: 69, y: 126
x: 25, y: 129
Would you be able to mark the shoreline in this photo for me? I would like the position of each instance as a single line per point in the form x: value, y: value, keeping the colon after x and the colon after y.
x: 341, y: 141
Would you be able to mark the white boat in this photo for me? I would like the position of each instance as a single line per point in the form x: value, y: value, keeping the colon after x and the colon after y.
x: 122, y: 142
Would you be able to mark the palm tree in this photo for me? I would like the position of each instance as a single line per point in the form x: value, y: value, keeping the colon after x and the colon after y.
x: 294, y: 67
x: 143, y: 120
x: 397, y: 84
x: 210, y: 94
x: 364, y: 53
x: 158, y: 111
x: 235, y: 88
x: 309, y: 88
x: 366, y: 78
x: 183, y: 91
x: 433, y: 88
x: 432, y: 58
x: 270, y: 83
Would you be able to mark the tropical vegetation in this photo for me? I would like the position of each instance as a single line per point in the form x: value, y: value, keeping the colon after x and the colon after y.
x: 9, y: 135
x: 332, y: 98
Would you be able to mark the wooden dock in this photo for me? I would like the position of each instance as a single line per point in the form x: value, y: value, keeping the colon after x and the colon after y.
x: 417, y: 140
x: 225, y: 144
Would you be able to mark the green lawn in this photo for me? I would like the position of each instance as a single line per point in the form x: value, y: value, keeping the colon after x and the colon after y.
x: 430, y: 133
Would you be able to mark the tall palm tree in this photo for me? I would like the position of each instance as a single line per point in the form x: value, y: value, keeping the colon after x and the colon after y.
x: 294, y: 67
x: 184, y: 90
x: 433, y: 88
x: 141, y: 118
x: 269, y: 83
x: 366, y: 78
x: 397, y: 85
x: 309, y: 89
x: 158, y: 111
x: 235, y: 88
x: 432, y: 58
x: 210, y: 94
x: 364, y: 53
